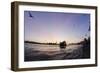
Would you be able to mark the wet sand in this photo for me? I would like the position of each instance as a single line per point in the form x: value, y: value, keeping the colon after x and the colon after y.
x: 32, y: 54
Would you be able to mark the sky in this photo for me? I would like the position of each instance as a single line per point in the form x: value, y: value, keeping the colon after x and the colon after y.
x: 54, y: 27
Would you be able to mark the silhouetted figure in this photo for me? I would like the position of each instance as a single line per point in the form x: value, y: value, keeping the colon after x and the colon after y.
x: 63, y: 44
x: 86, y: 48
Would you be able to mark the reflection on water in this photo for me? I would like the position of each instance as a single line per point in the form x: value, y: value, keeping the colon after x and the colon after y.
x: 36, y: 52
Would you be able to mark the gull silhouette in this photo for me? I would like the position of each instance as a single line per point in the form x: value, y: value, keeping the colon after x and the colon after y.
x: 30, y: 15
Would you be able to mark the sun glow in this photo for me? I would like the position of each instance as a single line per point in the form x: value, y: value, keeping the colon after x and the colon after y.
x: 47, y: 27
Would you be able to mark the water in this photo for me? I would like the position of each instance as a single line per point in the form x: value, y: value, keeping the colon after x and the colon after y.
x: 35, y: 52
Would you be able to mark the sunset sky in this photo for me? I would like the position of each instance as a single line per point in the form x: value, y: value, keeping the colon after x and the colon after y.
x: 55, y: 26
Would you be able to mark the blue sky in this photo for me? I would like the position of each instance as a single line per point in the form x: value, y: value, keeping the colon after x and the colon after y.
x: 55, y: 26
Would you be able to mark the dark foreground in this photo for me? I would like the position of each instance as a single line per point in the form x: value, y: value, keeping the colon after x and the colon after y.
x: 39, y: 52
